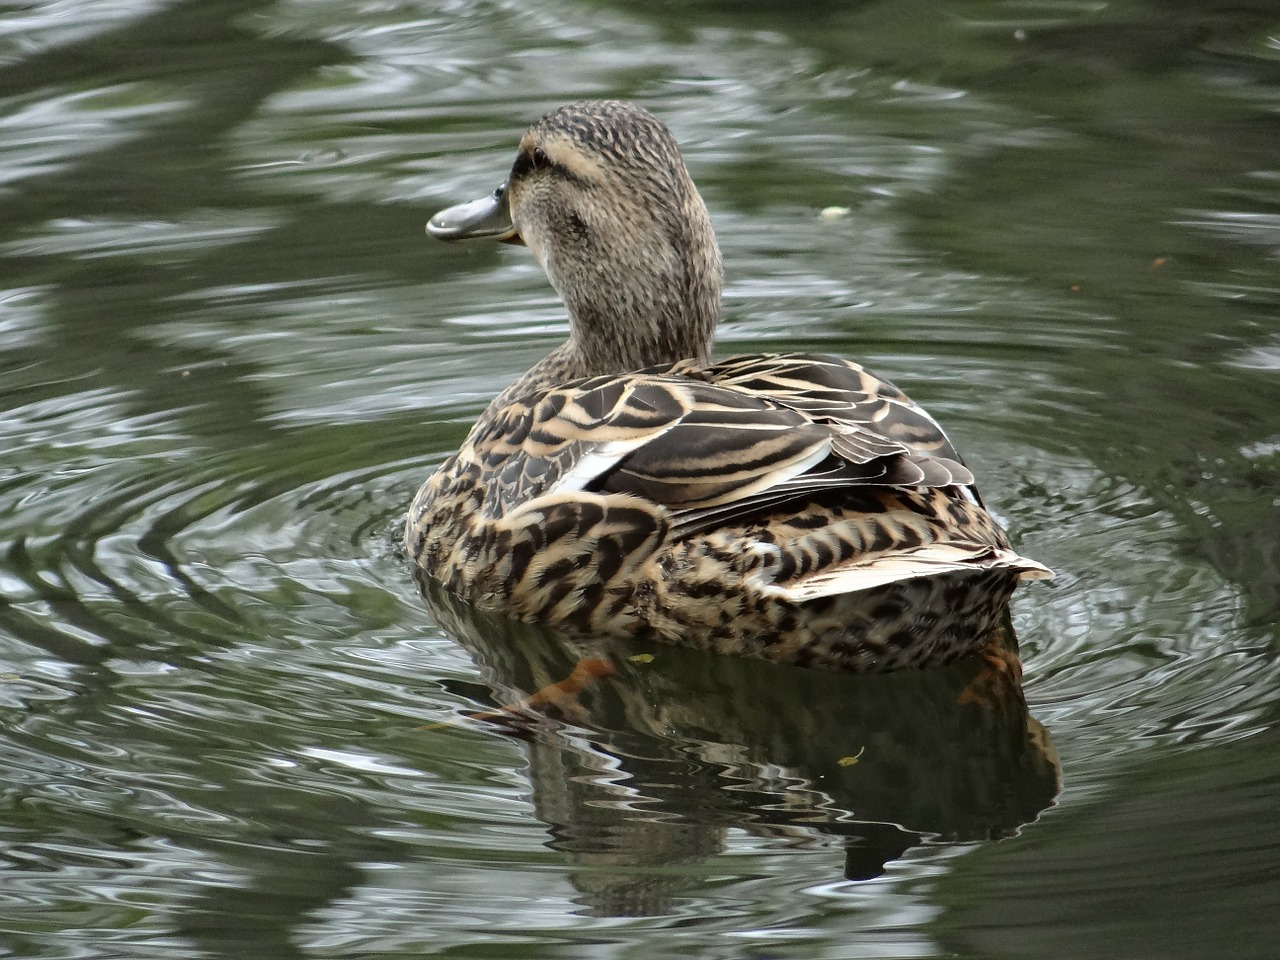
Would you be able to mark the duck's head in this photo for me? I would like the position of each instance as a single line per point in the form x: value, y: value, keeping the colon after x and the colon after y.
x: 600, y: 194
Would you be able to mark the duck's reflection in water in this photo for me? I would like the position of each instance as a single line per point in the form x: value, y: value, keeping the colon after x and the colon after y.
x: 640, y: 774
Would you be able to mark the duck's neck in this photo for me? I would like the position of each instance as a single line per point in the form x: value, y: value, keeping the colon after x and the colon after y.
x: 652, y: 333
x: 643, y: 303
x: 628, y: 327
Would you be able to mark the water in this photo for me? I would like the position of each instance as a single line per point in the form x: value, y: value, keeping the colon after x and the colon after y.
x: 229, y: 355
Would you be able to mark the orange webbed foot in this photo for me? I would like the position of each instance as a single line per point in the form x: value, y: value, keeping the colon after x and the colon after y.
x: 560, y: 698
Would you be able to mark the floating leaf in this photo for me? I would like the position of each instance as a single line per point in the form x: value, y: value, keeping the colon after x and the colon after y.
x: 850, y: 761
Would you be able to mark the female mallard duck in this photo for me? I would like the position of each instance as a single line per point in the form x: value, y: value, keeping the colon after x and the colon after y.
x: 792, y: 507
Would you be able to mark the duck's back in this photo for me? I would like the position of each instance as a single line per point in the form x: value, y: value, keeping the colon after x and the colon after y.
x: 791, y: 507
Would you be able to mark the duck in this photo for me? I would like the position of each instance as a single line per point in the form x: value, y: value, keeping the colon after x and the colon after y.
x: 791, y: 507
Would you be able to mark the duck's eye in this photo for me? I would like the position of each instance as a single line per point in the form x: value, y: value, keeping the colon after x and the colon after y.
x: 529, y: 161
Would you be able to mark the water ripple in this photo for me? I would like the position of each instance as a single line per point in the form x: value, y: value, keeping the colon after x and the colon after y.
x: 1135, y: 645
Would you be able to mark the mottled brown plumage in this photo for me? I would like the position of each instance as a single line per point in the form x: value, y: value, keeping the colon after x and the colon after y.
x: 791, y: 507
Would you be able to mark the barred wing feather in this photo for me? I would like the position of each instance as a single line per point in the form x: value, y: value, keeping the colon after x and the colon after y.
x: 713, y: 443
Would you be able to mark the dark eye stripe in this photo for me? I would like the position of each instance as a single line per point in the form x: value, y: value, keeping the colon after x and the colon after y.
x: 527, y: 162
x: 523, y: 165
x: 537, y: 159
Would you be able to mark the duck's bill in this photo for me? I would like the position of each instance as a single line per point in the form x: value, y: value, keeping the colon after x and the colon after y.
x: 488, y: 218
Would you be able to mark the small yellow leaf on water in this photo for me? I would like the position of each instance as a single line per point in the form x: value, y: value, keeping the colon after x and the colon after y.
x: 641, y: 658
x: 850, y: 761
x: 832, y: 214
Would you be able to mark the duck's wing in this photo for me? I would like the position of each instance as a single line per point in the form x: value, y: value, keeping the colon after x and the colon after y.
x: 878, y: 418
x: 712, y: 443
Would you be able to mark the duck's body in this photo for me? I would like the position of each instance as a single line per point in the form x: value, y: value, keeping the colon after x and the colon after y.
x: 796, y: 507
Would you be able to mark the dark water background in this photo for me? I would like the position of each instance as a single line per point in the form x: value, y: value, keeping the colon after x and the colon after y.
x: 228, y: 356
